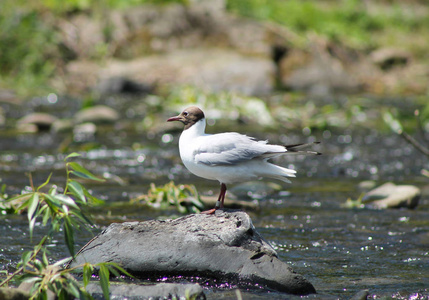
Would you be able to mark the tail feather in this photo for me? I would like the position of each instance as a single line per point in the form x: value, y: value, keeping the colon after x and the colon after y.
x: 297, y: 149
x: 277, y: 172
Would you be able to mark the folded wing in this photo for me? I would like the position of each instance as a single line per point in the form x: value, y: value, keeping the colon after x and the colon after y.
x: 233, y: 148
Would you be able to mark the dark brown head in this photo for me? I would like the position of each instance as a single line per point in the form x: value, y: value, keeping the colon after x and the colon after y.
x: 189, y: 116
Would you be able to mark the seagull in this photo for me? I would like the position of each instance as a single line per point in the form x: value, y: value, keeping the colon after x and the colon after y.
x: 229, y: 157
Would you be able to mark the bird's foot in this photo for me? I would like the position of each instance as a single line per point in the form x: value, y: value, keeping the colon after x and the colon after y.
x: 209, y: 212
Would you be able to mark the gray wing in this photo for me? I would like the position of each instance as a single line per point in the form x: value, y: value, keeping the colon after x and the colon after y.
x: 232, y: 148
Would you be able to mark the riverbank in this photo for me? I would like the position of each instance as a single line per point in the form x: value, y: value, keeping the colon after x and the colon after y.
x: 251, y: 47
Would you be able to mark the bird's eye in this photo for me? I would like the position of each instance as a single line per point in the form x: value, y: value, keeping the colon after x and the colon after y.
x: 185, y: 113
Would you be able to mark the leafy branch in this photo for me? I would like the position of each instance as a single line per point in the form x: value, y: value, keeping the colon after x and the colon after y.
x: 58, y: 211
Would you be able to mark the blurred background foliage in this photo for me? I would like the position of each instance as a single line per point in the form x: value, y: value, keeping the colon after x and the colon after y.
x: 31, y: 51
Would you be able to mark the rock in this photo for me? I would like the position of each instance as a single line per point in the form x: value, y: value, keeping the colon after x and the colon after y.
x: 212, y: 69
x: 224, y: 247
x: 387, y: 58
x: 116, y: 85
x: 361, y: 295
x: 9, y: 97
x: 60, y: 126
x: 390, y: 195
x: 42, y: 121
x: 13, y: 294
x: 367, y: 185
x: 98, y: 114
x: 84, y: 132
x: 155, y: 291
x: 318, y: 72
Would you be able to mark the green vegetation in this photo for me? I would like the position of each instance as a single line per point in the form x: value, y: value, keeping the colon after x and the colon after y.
x: 356, y: 23
x: 184, y: 197
x: 58, y: 212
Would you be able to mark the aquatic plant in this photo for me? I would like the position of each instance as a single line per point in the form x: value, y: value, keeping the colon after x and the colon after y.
x: 183, y: 196
x: 58, y: 212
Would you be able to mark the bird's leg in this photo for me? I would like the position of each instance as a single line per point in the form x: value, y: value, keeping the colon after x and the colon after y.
x: 219, y: 202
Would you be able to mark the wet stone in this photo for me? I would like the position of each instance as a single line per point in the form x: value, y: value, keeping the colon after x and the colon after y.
x: 120, y: 291
x: 224, y: 247
x: 390, y: 195
x: 41, y: 121
x: 99, y: 114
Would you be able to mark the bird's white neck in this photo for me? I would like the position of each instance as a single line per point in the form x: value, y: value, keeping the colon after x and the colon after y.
x: 198, y: 129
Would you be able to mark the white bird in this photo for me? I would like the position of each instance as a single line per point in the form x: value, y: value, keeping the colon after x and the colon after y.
x: 229, y: 157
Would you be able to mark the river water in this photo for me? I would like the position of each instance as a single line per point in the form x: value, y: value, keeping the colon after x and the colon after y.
x: 341, y: 251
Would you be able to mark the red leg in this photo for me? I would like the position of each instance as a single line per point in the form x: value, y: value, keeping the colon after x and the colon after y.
x: 219, y: 202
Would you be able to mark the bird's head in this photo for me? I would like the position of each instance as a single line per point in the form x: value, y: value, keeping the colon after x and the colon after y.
x: 189, y: 116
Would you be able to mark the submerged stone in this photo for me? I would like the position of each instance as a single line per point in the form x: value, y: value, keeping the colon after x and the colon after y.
x: 223, y: 248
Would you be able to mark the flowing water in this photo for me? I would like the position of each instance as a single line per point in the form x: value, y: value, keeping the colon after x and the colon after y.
x: 339, y: 250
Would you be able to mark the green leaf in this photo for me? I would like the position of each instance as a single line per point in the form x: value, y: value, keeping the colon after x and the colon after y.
x: 104, y: 280
x: 43, y: 295
x: 45, y: 259
x: 29, y: 278
x: 88, y: 269
x: 69, y: 235
x: 83, y: 220
x: 53, y: 203
x: 77, y: 190
x: 114, y: 268
x: 92, y: 199
x: 25, y: 258
x: 33, y: 204
x: 66, y: 200
x: 72, y: 289
x: 80, y: 171
x: 62, y: 261
x: 46, y: 214
x: 71, y: 155
x: 63, y: 295
x: 45, y: 183
x: 31, y: 226
x: 38, y: 265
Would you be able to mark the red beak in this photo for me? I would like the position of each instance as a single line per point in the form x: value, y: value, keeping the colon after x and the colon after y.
x: 176, y: 118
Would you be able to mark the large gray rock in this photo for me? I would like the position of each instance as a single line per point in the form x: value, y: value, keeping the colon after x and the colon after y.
x: 224, y: 247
